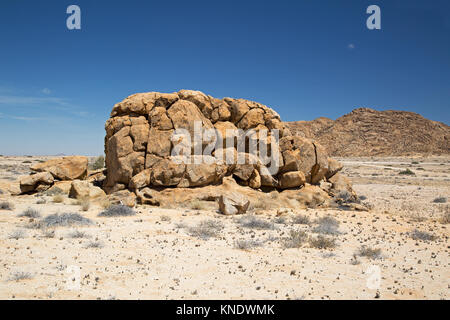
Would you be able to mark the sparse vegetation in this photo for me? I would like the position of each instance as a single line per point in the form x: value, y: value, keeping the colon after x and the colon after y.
x: 94, y: 244
x: 301, y: 219
x: 440, y: 200
x: 30, y: 213
x: 63, y: 220
x: 165, y: 218
x: 369, y: 252
x: 54, y: 191
x: 197, y: 205
x: 206, y: 229
x: 59, y: 198
x: 327, y: 225
x: 280, y: 220
x: 354, y: 260
x: 78, y: 234
x: 445, y: 219
x: 85, y: 204
x: 48, y: 233
x: 407, y: 172
x: 105, y: 204
x: 422, y: 235
x: 99, y: 163
x: 296, y: 239
x: 117, y: 210
x: 247, y: 244
x: 252, y: 222
x: 17, y: 234
x: 5, y: 205
x: 41, y: 201
x: 20, y: 275
x: 321, y: 242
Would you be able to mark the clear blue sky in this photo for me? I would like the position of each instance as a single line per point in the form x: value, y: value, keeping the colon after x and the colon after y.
x: 305, y: 59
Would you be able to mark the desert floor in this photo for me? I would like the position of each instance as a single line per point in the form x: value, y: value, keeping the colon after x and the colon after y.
x: 156, y: 254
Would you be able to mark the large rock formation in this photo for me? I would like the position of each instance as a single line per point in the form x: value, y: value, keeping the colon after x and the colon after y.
x: 368, y: 132
x: 189, y: 139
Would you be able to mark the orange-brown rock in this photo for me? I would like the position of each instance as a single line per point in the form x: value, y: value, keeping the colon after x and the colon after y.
x: 146, y: 128
x: 66, y: 168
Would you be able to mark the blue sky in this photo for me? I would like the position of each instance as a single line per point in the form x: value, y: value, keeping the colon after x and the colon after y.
x: 305, y: 59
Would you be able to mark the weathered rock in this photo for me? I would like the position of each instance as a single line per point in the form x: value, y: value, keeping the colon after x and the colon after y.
x: 66, y: 168
x: 82, y: 189
x: 342, y: 186
x: 151, y: 136
x: 233, y: 203
x: 31, y: 183
x: 60, y: 187
x: 124, y: 197
x: 334, y: 167
x: 292, y: 179
x: 141, y: 180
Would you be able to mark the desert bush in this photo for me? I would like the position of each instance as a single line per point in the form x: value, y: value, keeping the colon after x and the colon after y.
x: 440, y: 200
x: 296, y: 239
x: 117, y: 210
x: 197, y: 205
x: 99, y: 163
x: 180, y: 225
x: 206, y: 229
x: 85, y: 204
x: 105, y: 204
x: 20, y: 275
x: 247, y: 244
x: 59, y: 198
x: 422, y: 235
x: 280, y: 220
x: 48, y: 233
x: 30, y: 213
x: 327, y: 225
x: 78, y: 234
x: 252, y: 222
x: 354, y: 260
x: 94, y: 244
x: 165, y: 218
x: 53, y: 192
x: 407, y: 172
x: 369, y: 252
x: 17, y: 234
x: 445, y: 218
x: 321, y: 242
x: 63, y: 220
x: 1, y: 191
x: 301, y: 219
x: 6, y: 205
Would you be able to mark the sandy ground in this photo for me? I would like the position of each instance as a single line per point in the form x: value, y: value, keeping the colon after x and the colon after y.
x: 155, y: 255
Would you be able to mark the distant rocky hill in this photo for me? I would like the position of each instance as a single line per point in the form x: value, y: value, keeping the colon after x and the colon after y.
x: 367, y: 132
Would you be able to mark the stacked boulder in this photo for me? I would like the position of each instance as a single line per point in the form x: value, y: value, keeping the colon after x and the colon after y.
x: 141, y: 136
x: 66, y: 175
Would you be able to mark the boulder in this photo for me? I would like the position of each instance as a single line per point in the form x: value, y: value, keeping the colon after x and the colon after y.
x: 292, y: 179
x: 124, y: 197
x: 66, y: 168
x: 32, y: 182
x: 233, y: 203
x: 334, y: 167
x: 82, y: 189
